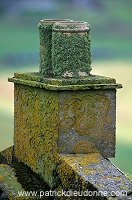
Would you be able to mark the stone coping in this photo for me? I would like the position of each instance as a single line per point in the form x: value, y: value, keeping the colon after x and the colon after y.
x: 95, y: 172
x: 105, y: 177
x: 34, y: 79
x: 9, y: 184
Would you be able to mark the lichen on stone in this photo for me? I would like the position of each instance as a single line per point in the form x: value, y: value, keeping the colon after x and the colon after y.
x: 37, y: 129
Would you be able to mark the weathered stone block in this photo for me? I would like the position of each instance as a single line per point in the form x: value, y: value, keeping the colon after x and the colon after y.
x: 93, y: 177
x: 78, y: 117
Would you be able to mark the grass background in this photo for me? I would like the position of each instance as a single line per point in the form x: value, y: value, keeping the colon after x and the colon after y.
x: 111, y: 36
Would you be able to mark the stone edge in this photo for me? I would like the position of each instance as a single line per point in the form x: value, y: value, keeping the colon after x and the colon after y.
x: 66, y: 168
x: 87, y: 83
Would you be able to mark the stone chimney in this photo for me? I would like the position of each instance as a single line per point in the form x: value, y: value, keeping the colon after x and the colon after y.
x: 64, y: 114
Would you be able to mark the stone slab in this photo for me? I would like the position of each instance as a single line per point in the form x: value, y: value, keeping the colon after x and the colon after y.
x: 57, y: 84
x: 9, y: 184
x: 95, y: 175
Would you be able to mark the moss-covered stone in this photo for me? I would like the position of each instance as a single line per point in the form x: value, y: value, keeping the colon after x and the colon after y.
x: 9, y: 183
x: 58, y: 84
x: 61, y: 53
x: 91, y: 79
x: 45, y: 35
x: 70, y: 50
x: 64, y: 109
x: 6, y: 156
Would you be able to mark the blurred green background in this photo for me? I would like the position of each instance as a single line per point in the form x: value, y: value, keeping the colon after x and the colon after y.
x: 111, y: 37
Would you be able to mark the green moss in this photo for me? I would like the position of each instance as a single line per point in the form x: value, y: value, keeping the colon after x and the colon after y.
x: 85, y: 146
x: 67, y: 87
x: 45, y: 34
x: 84, y: 83
x: 91, y: 79
x: 8, y: 182
x: 60, y: 52
x: 70, y: 53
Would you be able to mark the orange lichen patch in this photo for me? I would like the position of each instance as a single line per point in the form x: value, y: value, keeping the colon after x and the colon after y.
x: 85, y: 146
x: 69, y: 177
x: 113, y: 198
x: 88, y: 171
x: 11, y: 197
x: 108, y: 119
x: 82, y: 159
x: 113, y: 178
x: 105, y: 177
x: 109, y: 137
x: 122, y: 186
x: 117, y: 177
x: 3, y: 165
x: 1, y: 179
x: 123, y: 180
x: 100, y: 170
x: 99, y: 185
x: 69, y: 166
x: 84, y: 114
x: 88, y: 110
x: 66, y: 174
x: 41, y: 46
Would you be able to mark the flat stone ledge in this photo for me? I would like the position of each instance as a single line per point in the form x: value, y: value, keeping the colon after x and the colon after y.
x: 101, y: 174
x: 6, y: 156
x: 83, y: 83
x: 9, y: 184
